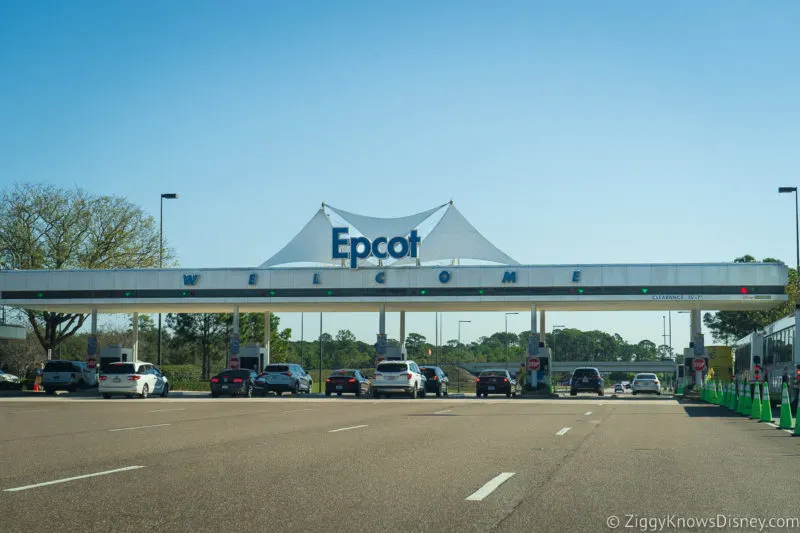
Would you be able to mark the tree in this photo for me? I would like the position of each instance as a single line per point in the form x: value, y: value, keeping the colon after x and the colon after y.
x: 19, y: 357
x: 204, y: 331
x: 45, y: 227
x: 416, y: 346
x: 728, y: 326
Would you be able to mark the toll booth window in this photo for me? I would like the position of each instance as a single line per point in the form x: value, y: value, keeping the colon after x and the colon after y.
x: 126, y: 368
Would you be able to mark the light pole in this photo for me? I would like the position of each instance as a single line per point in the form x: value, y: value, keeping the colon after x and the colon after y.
x: 507, y: 337
x: 459, y: 345
x: 797, y: 232
x: 302, y: 362
x: 164, y: 196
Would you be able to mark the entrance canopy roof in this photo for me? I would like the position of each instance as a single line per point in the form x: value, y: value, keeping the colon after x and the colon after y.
x: 710, y: 286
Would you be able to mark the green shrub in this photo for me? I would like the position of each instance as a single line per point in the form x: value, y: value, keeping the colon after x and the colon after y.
x: 178, y: 373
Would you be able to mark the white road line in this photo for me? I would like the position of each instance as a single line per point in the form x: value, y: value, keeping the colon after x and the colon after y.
x: 348, y: 428
x: 587, y: 413
x: 297, y: 410
x: 139, y: 427
x: 489, y: 487
x: 442, y: 412
x: 26, y: 487
x: 26, y: 411
x: 165, y: 410
x: 562, y: 431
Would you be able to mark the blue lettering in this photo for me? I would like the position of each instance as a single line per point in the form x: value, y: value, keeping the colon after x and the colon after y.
x: 190, y: 279
x: 252, y: 280
x: 576, y: 276
x: 393, y: 247
x: 361, y: 247
x: 338, y: 243
x: 509, y: 277
x: 316, y: 278
x: 376, y: 251
x: 380, y: 277
x: 444, y: 276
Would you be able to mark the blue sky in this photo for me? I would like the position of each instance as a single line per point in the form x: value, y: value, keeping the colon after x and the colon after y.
x: 565, y: 132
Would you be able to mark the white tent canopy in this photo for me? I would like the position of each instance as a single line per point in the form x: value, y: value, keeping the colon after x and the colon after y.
x: 452, y: 238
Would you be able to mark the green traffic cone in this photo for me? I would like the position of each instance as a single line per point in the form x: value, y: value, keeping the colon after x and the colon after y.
x: 786, y: 421
x: 766, y: 408
x: 748, y: 399
x: 724, y: 399
x: 734, y: 397
x: 755, y: 408
x: 797, y: 426
x: 740, y: 403
x: 705, y: 392
x: 712, y: 392
x: 728, y: 396
x: 679, y: 392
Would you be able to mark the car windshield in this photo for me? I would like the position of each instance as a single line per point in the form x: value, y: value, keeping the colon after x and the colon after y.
x: 276, y: 368
x: 235, y: 374
x: 60, y: 366
x: 493, y: 373
x: 647, y: 376
x: 392, y: 367
x: 344, y: 374
x: 429, y: 372
x: 585, y: 373
x: 124, y: 368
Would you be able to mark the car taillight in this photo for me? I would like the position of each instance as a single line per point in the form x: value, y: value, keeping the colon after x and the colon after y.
x: 351, y: 380
x: 435, y: 378
x: 289, y: 374
x: 505, y: 380
x: 477, y: 380
x: 238, y: 380
x: 134, y: 378
x: 328, y: 380
x: 102, y: 378
x: 214, y: 380
x: 409, y: 375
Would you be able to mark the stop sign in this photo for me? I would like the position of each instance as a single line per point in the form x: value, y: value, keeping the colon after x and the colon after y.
x: 234, y: 363
x: 533, y: 363
x: 91, y: 363
x: 699, y: 364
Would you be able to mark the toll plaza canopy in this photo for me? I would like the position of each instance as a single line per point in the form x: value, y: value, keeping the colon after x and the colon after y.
x: 341, y: 261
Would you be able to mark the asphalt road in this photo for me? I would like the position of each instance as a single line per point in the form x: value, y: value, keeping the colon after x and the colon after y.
x: 312, y: 464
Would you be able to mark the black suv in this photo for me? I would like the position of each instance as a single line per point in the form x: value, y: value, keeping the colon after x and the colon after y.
x: 437, y: 380
x: 586, y: 379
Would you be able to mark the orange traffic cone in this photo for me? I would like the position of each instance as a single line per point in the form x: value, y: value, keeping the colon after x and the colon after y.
x: 35, y: 387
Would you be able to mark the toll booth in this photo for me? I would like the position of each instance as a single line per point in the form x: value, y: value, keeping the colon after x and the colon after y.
x: 115, y: 353
x: 253, y: 356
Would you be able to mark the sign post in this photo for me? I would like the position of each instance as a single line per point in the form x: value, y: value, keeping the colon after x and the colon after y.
x: 533, y: 363
x: 698, y: 365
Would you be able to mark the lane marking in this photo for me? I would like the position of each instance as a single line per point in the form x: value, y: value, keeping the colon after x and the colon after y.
x: 139, y: 427
x: 489, y: 487
x: 165, y: 410
x: 26, y: 487
x: 25, y: 411
x: 297, y: 410
x: 347, y: 428
x: 587, y: 413
x: 443, y: 412
x: 562, y: 431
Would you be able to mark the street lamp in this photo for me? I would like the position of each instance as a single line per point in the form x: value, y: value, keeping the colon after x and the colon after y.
x: 164, y: 196
x: 507, y: 337
x: 459, y: 344
x: 556, y: 329
x: 797, y: 227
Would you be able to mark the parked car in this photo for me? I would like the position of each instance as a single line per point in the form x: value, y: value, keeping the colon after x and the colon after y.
x: 398, y: 377
x: 618, y: 388
x: 646, y: 383
x: 65, y: 375
x: 347, y: 381
x: 238, y: 382
x: 132, y: 379
x: 283, y: 377
x: 496, y: 382
x: 586, y: 379
x: 9, y: 381
x: 436, y: 381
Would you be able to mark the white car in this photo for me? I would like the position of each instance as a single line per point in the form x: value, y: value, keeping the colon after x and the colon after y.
x: 133, y: 379
x: 646, y: 383
x: 9, y: 381
x: 398, y: 377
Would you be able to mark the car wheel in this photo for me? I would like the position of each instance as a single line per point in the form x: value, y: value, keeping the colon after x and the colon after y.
x: 50, y: 391
x: 446, y: 391
x: 423, y: 392
x: 310, y: 386
x: 376, y: 394
x: 634, y: 393
x: 508, y: 394
x: 106, y: 396
x: 250, y: 391
x: 278, y: 392
x: 165, y: 392
x: 358, y: 392
x: 601, y: 393
x: 514, y: 394
x: 414, y: 392
x: 215, y: 395
x: 439, y: 392
x: 573, y: 393
x: 477, y: 394
x: 295, y: 388
x: 145, y: 391
x: 327, y: 393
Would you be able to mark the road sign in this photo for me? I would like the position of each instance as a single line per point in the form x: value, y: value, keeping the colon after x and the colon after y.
x: 235, y: 344
x: 533, y: 363
x: 91, y: 347
x: 91, y: 363
x: 234, y: 362
x: 699, y: 364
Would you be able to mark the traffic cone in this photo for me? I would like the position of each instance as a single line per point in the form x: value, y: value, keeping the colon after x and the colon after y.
x: 748, y: 399
x: 755, y: 408
x: 723, y: 399
x: 704, y: 397
x: 797, y: 426
x: 679, y: 392
x: 786, y: 421
x: 766, y: 408
x: 734, y: 398
x: 740, y: 402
